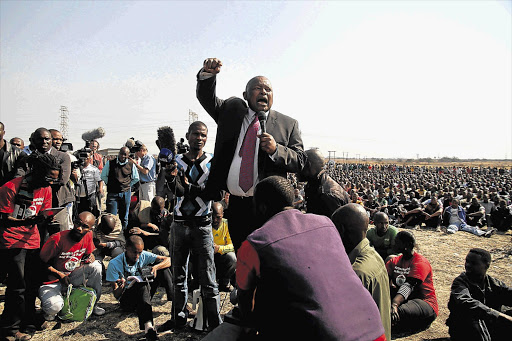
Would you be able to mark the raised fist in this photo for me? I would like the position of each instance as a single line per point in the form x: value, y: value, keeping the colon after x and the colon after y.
x: 212, y: 65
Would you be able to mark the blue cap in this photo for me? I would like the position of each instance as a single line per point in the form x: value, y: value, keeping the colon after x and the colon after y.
x: 165, y: 155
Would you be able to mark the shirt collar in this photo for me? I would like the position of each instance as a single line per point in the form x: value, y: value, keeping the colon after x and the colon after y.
x: 357, y: 250
x: 122, y: 163
x: 251, y: 113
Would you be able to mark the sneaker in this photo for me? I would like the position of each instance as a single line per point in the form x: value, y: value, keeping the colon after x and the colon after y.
x: 49, y: 317
x: 416, y: 227
x: 489, y: 233
x: 438, y: 229
x: 151, y: 335
x: 98, y: 311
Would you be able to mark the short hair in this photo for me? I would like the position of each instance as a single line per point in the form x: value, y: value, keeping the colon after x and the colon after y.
x: 484, y: 255
x: 276, y: 191
x: 53, y: 131
x: 134, y: 240
x: 407, y: 237
x: 196, y: 123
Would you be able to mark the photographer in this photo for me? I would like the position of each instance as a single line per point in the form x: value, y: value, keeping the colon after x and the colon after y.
x: 147, y: 171
x: 91, y: 189
x: 120, y: 174
x: 135, y: 294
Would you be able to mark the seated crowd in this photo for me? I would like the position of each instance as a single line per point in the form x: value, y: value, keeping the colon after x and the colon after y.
x: 55, y: 233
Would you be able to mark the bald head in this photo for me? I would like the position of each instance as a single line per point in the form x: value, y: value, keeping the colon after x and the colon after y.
x: 351, y: 221
x: 315, y: 163
x: 107, y: 224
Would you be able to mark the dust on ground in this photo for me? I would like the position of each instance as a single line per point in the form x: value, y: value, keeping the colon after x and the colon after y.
x: 446, y: 254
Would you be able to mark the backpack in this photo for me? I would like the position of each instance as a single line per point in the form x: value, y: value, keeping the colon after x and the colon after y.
x: 78, y: 304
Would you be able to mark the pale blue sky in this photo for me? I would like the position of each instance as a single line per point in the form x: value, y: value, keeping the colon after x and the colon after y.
x: 374, y: 78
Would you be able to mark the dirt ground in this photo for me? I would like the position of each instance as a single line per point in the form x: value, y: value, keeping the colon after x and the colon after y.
x: 445, y: 252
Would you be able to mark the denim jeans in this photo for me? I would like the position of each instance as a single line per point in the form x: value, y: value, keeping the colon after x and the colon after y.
x: 119, y: 201
x: 185, y: 239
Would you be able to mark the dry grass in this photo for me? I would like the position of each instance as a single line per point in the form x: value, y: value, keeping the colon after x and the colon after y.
x: 445, y: 252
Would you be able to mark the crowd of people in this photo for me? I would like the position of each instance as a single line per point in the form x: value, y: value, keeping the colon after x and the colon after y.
x: 235, y: 221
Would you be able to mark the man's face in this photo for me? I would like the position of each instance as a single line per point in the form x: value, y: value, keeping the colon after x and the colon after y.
x: 217, y: 218
x: 83, y: 224
x: 57, y: 140
x: 42, y: 141
x: 18, y: 143
x: 455, y: 205
x: 133, y: 253
x: 123, y: 154
x: 259, y: 94
x: 94, y: 146
x: 475, y: 267
x: 2, y: 132
x: 381, y: 224
x: 197, y: 137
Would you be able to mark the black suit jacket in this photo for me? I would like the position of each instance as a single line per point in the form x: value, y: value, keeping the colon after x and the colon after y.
x: 229, y: 115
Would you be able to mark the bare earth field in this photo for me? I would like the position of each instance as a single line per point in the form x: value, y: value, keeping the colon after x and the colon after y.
x: 445, y: 252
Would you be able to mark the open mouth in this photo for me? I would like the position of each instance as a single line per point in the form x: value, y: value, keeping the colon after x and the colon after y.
x: 263, y: 101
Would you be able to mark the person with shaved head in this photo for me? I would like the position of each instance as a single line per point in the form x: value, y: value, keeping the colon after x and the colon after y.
x: 69, y: 259
x: 323, y: 194
x: 246, y: 152
x: 352, y: 221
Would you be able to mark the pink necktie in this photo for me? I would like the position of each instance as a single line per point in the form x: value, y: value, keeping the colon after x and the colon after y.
x: 247, y: 149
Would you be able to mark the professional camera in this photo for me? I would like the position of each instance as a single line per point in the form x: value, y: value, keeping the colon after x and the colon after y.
x: 81, y: 155
x: 134, y: 146
x: 146, y: 274
x: 182, y: 146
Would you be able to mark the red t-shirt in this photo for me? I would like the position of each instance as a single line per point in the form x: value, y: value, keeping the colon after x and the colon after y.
x: 64, y: 254
x: 417, y: 267
x: 16, y: 201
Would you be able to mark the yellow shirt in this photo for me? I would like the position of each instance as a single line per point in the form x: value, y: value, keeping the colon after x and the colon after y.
x: 222, y: 238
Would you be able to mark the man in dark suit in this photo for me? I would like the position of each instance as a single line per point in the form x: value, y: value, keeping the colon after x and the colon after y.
x: 276, y: 151
x: 63, y: 195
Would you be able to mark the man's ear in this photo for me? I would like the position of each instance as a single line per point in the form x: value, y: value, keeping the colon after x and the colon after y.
x: 245, y: 95
x: 186, y: 135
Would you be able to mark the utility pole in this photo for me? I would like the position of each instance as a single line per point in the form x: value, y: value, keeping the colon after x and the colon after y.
x: 192, y: 117
x: 334, y: 155
x: 64, y: 117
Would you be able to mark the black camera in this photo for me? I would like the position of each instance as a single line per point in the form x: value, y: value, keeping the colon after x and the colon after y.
x: 147, y: 274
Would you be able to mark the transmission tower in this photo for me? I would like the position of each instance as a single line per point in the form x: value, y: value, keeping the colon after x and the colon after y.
x: 64, y: 117
x: 192, y: 117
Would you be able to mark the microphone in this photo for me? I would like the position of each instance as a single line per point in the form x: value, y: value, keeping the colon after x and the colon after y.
x: 263, y: 121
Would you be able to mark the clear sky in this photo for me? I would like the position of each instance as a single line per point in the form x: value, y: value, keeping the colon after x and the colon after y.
x: 374, y: 78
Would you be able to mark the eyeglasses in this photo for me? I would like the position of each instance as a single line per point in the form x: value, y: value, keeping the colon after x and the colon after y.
x: 16, y: 144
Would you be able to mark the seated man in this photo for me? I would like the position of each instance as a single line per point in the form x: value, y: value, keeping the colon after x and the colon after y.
x: 502, y: 217
x: 224, y: 256
x: 489, y: 209
x: 136, y: 295
x: 69, y: 260
x: 371, y: 205
x: 279, y: 263
x: 476, y: 300
x: 432, y: 213
x: 382, y: 236
x: 146, y: 222
x: 108, y: 237
x: 412, y: 214
x: 475, y: 213
x: 352, y: 221
x: 454, y: 218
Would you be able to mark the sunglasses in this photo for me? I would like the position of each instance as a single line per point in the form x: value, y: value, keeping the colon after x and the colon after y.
x: 16, y: 144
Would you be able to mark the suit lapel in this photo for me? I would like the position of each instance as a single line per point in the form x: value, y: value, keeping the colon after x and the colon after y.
x: 271, y: 121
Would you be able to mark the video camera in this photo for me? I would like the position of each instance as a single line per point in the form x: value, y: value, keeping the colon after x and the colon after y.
x: 81, y: 155
x: 134, y: 146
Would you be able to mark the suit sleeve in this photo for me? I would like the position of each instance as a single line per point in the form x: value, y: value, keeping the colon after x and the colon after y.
x: 66, y: 168
x: 206, y: 94
x: 291, y: 157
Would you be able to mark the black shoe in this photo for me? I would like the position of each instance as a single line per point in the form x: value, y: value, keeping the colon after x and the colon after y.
x: 226, y: 288
x: 171, y: 325
x: 151, y: 335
